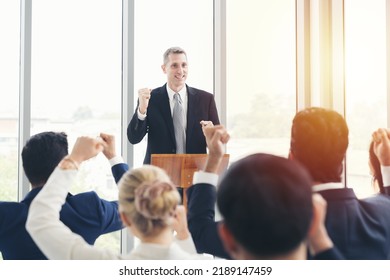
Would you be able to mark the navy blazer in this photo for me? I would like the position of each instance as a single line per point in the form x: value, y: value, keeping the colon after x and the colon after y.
x: 359, y: 228
x: 204, y: 230
x: 201, y: 200
x: 85, y: 214
x: 159, y: 124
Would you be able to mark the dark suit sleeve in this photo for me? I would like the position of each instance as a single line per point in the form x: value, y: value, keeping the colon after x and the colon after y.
x: 201, y: 220
x: 110, y: 219
x: 213, y: 113
x: 118, y: 170
x: 137, y: 129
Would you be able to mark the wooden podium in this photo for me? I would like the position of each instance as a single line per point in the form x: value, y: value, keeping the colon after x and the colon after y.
x: 181, y: 167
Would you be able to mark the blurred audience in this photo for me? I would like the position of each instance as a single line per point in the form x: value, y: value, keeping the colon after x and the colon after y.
x: 266, y: 203
x: 148, y: 206
x: 359, y: 228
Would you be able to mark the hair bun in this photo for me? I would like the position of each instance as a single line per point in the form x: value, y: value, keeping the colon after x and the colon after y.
x: 152, y: 200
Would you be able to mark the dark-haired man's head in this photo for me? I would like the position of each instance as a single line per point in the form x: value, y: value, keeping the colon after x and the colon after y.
x: 266, y: 203
x: 319, y: 141
x: 41, y: 155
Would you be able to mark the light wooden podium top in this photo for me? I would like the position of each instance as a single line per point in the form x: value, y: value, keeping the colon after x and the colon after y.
x: 181, y: 167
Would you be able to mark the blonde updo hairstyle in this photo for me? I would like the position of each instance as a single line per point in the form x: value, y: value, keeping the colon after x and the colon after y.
x: 148, y: 198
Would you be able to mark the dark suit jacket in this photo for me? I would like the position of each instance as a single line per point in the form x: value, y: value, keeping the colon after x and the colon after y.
x: 204, y: 230
x: 85, y: 214
x: 360, y: 229
x: 201, y: 200
x: 159, y: 124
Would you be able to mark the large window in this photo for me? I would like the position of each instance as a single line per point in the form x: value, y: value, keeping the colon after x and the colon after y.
x: 260, y: 75
x: 9, y: 92
x: 77, y: 67
x: 160, y: 25
x: 76, y: 81
x: 365, y: 74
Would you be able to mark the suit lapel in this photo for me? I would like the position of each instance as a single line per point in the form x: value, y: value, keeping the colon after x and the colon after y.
x: 165, y: 109
x: 191, y: 111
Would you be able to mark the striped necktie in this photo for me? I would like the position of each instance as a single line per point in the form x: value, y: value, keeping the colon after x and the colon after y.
x: 178, y: 124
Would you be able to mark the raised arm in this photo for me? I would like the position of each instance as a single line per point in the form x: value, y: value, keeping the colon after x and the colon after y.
x: 202, y: 196
x: 118, y: 166
x: 137, y: 128
x: 381, y: 138
x: 320, y: 244
x: 54, y: 238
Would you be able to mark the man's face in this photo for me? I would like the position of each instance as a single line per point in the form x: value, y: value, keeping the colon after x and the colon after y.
x: 176, y: 69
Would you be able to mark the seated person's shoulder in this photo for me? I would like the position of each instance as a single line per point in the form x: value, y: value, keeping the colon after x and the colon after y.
x: 377, y: 202
x: 10, y: 206
x: 82, y: 199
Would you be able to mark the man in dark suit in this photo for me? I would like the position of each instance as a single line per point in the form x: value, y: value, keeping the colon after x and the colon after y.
x: 84, y: 213
x: 360, y: 228
x: 155, y: 112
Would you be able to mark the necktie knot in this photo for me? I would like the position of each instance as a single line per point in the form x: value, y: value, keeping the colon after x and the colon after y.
x: 177, y: 98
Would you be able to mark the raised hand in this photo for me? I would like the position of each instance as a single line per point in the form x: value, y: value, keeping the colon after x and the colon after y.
x: 109, y: 149
x: 381, y: 138
x: 143, y: 99
x: 216, y: 138
x: 86, y: 148
x: 180, y: 223
x: 206, y: 123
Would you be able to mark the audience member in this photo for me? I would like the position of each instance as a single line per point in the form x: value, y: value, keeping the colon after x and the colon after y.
x: 266, y: 203
x: 148, y: 206
x: 359, y: 228
x: 170, y: 130
x: 85, y: 214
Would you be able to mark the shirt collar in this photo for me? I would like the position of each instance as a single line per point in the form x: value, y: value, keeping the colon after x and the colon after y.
x: 182, y: 92
x: 327, y: 186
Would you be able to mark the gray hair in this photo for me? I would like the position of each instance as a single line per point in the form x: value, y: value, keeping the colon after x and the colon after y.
x: 175, y: 50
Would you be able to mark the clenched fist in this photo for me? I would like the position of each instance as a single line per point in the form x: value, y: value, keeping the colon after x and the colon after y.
x: 143, y: 99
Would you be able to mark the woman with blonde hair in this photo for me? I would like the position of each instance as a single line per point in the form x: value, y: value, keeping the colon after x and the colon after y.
x: 148, y: 206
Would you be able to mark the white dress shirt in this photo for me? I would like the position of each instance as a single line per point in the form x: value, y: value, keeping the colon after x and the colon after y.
x: 184, y: 99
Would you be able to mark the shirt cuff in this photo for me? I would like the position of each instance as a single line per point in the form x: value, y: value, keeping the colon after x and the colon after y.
x: 141, y: 117
x: 385, y: 175
x: 116, y: 160
x: 186, y: 244
x: 201, y: 177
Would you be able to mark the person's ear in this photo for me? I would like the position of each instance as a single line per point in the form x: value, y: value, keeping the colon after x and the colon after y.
x: 124, y: 219
x: 228, y: 240
x: 163, y: 68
